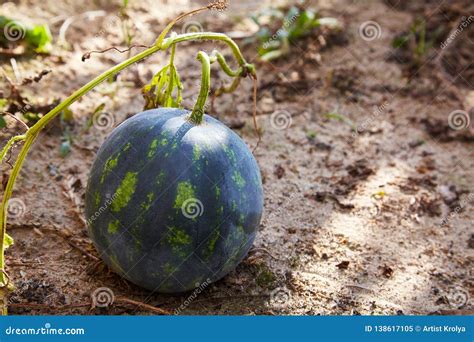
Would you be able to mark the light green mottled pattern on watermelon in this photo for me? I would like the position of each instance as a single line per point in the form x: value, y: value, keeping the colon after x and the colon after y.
x: 169, y: 269
x: 218, y: 191
x: 196, y: 152
x: 238, y: 180
x: 134, y: 252
x: 113, y: 227
x: 97, y: 199
x: 196, y: 157
x: 160, y: 178
x: 164, y: 138
x: 135, y: 234
x: 179, y: 240
x: 212, y: 243
x: 112, y: 162
x: 185, y: 190
x: 126, y: 147
x: 124, y: 191
x: 230, y: 154
x: 149, y: 200
x: 172, y: 148
x: 152, y: 148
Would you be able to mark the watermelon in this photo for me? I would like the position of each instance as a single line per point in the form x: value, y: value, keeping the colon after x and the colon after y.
x: 171, y: 204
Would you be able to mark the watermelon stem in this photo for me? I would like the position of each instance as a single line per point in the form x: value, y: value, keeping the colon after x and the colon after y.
x: 198, y: 111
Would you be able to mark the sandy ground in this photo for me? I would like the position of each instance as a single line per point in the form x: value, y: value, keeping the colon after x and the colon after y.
x: 372, y: 221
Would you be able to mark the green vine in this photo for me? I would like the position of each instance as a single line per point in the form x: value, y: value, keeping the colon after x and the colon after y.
x: 162, y: 87
x: 198, y: 110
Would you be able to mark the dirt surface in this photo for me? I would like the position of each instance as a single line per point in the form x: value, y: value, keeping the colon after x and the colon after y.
x: 368, y: 190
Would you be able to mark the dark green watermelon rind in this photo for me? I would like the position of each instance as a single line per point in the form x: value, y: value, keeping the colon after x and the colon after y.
x: 143, y: 233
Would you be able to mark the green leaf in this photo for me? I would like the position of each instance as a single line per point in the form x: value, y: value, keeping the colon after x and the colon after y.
x: 7, y: 241
x: 303, y: 25
x: 40, y: 37
x: 37, y: 37
x: 157, y: 92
